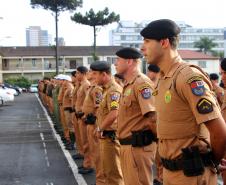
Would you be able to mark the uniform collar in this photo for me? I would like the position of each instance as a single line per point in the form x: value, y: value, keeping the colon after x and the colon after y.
x: 108, y: 85
x: 133, y: 79
x: 170, y: 70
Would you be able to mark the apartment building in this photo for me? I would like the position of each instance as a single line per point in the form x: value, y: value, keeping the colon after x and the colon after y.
x: 127, y: 34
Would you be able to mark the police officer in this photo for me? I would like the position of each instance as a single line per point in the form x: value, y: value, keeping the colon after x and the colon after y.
x: 106, y: 121
x: 136, y: 122
x: 219, y: 91
x: 223, y: 110
x: 90, y: 106
x: 81, y: 75
x: 67, y: 98
x: 188, y: 116
x: 153, y: 73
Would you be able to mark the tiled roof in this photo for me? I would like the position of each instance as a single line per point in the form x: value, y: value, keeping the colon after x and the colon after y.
x: 63, y: 51
x: 84, y: 51
x: 192, y: 55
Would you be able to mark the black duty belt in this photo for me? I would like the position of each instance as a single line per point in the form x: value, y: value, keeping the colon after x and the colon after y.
x: 108, y: 133
x: 175, y: 165
x: 126, y: 141
x: 68, y: 109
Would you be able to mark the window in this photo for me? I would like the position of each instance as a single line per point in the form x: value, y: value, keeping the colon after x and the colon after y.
x: 90, y: 60
x: 202, y: 64
x: 33, y: 62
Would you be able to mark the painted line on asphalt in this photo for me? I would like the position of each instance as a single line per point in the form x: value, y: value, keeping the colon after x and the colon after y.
x: 39, y: 124
x: 45, y: 149
x: 79, y: 178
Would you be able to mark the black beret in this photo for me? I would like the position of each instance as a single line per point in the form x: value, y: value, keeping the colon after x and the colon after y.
x: 214, y: 76
x: 153, y: 68
x: 73, y: 73
x: 82, y: 69
x: 102, y: 66
x: 223, y: 64
x: 129, y: 53
x: 160, y: 29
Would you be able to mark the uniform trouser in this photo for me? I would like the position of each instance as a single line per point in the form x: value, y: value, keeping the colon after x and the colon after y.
x: 63, y: 122
x: 178, y: 178
x: 159, y: 167
x: 77, y: 132
x: 109, y: 153
x: 94, y: 149
x: 68, y: 120
x: 85, y: 145
x: 137, y: 164
x: 51, y: 105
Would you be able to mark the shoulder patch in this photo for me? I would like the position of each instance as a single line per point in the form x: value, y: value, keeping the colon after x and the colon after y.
x: 204, y: 106
x: 145, y: 92
x: 114, y: 97
x: 98, y: 97
x: 197, y: 88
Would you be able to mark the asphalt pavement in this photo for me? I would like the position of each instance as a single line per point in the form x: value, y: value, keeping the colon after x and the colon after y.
x: 31, y: 153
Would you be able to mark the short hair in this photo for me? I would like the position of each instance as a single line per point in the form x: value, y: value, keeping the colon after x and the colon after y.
x: 214, y: 76
x: 73, y: 73
x: 153, y: 68
x: 82, y: 69
x: 223, y: 64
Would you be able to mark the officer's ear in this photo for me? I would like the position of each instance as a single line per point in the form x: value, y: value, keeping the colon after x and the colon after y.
x: 164, y: 43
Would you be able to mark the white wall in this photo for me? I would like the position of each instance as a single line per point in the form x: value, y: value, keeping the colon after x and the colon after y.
x: 212, y: 66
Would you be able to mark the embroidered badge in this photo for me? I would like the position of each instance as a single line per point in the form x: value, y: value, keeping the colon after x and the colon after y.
x: 114, y: 105
x: 98, y: 97
x: 114, y: 97
x: 204, y: 106
x: 194, y: 78
x: 128, y: 92
x: 167, y: 96
x: 197, y: 88
x: 146, y: 93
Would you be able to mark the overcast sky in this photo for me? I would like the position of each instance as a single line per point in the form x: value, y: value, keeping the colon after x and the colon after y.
x: 18, y: 15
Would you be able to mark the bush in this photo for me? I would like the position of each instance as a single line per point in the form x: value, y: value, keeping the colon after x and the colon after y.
x: 21, y: 82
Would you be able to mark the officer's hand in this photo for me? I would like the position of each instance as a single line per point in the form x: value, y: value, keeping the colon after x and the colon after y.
x: 222, y: 166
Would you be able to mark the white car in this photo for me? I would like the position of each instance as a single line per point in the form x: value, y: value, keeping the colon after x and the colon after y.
x: 1, y: 101
x: 33, y: 88
x: 6, y: 94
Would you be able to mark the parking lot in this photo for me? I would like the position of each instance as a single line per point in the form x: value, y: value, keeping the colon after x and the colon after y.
x: 31, y: 153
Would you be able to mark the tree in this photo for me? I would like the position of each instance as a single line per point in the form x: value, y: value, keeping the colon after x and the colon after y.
x: 205, y: 44
x: 93, y: 19
x: 20, y: 81
x: 57, y: 6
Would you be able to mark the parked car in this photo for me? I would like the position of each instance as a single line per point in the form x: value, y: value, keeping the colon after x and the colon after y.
x: 33, y: 88
x: 1, y: 101
x: 6, y: 94
x: 17, y: 89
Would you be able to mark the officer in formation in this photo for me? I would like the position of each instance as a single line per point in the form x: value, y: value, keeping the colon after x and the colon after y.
x: 190, y: 128
x: 107, y: 124
x: 219, y: 91
x: 136, y: 120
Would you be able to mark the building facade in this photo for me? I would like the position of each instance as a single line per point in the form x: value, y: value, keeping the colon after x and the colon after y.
x: 35, y: 36
x: 127, y: 34
x: 37, y: 62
